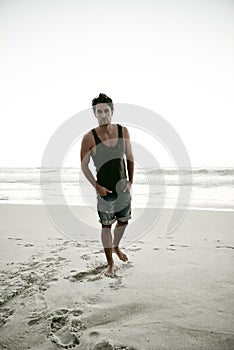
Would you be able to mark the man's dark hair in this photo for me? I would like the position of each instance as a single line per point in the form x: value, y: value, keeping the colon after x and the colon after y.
x: 102, y: 98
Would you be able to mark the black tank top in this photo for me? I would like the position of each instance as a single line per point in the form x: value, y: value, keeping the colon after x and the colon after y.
x: 109, y: 161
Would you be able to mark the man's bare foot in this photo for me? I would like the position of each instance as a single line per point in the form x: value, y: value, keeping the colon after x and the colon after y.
x: 110, y: 272
x: 120, y: 254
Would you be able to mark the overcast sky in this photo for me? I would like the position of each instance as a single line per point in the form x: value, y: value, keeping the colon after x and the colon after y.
x: 173, y: 57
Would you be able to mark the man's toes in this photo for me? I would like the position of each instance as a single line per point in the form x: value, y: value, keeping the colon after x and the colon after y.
x: 110, y: 272
x: 125, y: 258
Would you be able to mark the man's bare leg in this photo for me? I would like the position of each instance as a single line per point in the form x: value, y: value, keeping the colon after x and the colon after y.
x: 107, y: 244
x: 118, y: 234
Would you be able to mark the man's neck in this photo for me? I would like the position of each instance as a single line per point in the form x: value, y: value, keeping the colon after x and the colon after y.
x: 106, y: 128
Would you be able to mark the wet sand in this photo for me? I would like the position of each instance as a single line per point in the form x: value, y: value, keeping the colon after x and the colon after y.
x: 175, y: 292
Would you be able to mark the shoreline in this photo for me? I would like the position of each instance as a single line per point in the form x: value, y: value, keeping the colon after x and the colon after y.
x: 35, y: 203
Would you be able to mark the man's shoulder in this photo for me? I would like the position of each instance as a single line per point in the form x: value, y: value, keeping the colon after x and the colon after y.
x: 125, y: 131
x: 122, y: 126
x: 88, y: 137
x: 88, y: 134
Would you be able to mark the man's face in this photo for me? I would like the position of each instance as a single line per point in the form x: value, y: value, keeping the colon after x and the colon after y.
x: 103, y: 113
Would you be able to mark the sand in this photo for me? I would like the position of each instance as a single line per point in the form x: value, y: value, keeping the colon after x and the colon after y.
x: 175, y: 292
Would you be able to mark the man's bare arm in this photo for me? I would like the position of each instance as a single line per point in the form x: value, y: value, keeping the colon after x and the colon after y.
x: 85, y: 159
x: 85, y: 153
x: 129, y: 154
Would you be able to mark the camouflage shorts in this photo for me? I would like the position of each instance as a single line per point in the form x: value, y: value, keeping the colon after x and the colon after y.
x: 114, y: 207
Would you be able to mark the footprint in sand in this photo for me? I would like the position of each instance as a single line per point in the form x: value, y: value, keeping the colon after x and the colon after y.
x: 174, y: 246
x: 65, y: 327
x: 133, y: 249
x: 89, y: 275
x: 105, y: 343
x: 95, y: 273
x: 39, y: 311
x: 117, y: 284
x: 5, y: 313
x: 88, y: 256
x: 85, y: 257
x: 15, y: 238
x: 225, y: 246
x: 117, y: 281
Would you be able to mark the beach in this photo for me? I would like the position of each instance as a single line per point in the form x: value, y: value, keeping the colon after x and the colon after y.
x: 175, y: 292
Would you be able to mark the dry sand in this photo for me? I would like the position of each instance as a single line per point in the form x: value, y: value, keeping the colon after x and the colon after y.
x: 175, y: 292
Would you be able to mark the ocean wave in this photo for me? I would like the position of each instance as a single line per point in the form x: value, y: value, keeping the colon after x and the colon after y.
x: 189, y: 171
x: 168, y: 176
x: 4, y: 198
x: 162, y: 170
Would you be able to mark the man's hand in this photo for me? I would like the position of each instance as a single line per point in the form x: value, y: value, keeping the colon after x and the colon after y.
x: 128, y: 186
x: 102, y: 191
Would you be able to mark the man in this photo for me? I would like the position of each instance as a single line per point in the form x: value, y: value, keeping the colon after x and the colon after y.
x: 109, y: 145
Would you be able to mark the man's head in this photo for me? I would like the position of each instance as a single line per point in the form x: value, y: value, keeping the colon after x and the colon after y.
x: 103, y: 109
x: 102, y: 98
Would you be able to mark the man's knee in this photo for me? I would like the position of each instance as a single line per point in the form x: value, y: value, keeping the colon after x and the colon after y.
x: 106, y: 226
x: 122, y: 223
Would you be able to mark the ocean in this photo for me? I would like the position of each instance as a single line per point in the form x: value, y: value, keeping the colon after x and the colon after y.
x: 211, y: 188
